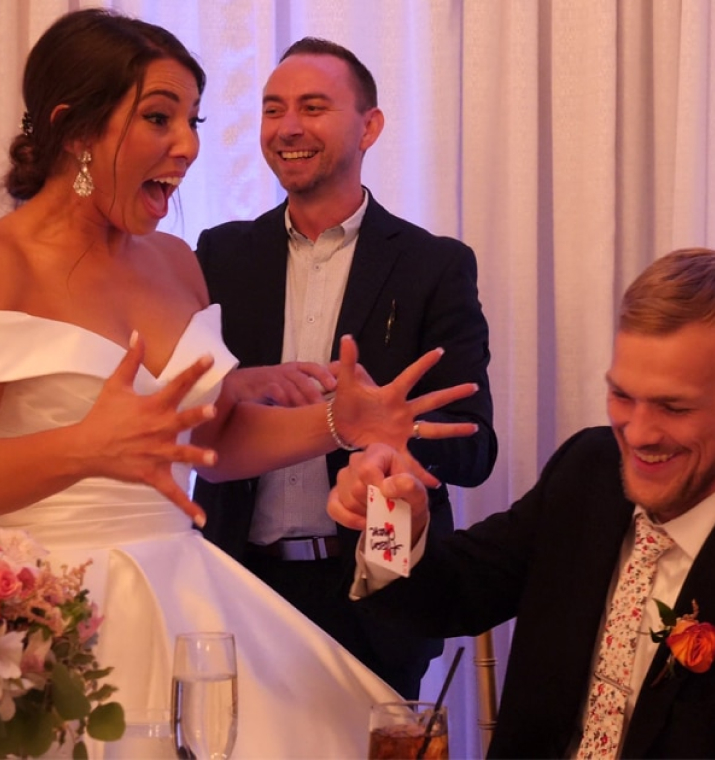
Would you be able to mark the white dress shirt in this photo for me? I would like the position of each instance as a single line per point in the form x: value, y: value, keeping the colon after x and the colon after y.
x: 290, y: 502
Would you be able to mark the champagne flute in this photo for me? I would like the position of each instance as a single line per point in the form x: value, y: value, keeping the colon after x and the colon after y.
x: 204, y: 705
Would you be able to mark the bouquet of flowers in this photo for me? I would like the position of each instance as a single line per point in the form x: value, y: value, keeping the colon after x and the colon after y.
x: 50, y: 688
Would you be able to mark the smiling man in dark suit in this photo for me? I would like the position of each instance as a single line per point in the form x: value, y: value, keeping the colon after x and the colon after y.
x: 331, y: 261
x: 558, y: 558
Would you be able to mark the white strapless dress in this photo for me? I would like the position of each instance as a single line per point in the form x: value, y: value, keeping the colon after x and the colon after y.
x: 301, y: 695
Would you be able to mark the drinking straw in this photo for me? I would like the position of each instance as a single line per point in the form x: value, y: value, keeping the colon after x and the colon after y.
x: 438, y: 703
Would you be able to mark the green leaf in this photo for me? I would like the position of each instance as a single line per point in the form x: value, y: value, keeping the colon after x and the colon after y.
x: 102, y: 693
x: 106, y: 722
x: 667, y: 615
x: 68, y: 693
x: 28, y: 734
x: 658, y: 636
x: 95, y: 675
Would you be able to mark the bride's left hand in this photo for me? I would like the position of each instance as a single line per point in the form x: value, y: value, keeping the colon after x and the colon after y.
x: 365, y: 413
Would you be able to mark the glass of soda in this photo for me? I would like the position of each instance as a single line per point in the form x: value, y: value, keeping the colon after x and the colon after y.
x: 409, y: 730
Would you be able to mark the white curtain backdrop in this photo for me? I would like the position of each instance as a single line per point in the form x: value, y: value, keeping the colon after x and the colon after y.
x: 568, y: 142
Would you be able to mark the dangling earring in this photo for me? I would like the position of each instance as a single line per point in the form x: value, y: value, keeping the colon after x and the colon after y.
x: 83, y: 184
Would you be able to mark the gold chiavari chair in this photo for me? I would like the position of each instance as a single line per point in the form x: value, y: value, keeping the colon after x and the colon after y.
x: 485, y: 664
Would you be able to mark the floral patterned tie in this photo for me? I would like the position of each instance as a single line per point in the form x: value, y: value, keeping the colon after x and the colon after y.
x: 610, y: 683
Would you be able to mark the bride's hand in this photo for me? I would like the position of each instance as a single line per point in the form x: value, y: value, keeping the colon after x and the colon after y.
x: 365, y: 413
x: 133, y: 437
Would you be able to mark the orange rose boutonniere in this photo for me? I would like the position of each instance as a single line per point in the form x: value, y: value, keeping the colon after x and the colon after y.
x: 691, y: 643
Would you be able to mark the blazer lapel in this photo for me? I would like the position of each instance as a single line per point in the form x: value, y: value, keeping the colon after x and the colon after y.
x: 654, y: 702
x: 265, y: 279
x: 375, y: 255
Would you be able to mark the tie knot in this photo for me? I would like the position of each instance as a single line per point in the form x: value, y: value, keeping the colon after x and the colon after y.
x: 651, y: 539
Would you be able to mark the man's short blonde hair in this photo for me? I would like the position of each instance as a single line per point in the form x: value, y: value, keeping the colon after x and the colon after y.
x: 675, y: 290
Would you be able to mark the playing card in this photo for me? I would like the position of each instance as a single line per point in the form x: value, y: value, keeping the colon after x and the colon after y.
x: 388, y: 537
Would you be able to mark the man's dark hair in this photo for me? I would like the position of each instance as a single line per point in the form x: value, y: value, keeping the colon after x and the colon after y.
x: 365, y: 90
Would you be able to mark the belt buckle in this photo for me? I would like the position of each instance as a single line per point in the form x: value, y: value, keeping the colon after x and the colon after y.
x: 303, y: 549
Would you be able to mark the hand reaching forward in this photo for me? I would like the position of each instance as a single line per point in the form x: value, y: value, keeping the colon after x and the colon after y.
x: 380, y: 466
x: 133, y: 438
x: 287, y: 384
x: 365, y: 413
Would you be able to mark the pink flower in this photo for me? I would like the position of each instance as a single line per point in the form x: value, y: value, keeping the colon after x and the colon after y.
x: 28, y: 581
x: 87, y: 628
x: 10, y: 585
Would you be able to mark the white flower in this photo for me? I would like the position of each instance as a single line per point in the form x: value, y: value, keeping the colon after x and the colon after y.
x: 19, y: 549
x: 10, y: 652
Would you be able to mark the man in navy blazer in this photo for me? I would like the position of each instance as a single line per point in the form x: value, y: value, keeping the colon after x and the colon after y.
x: 552, y: 560
x: 328, y: 262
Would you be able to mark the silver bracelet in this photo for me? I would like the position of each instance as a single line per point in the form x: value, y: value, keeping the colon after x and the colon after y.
x: 339, y: 442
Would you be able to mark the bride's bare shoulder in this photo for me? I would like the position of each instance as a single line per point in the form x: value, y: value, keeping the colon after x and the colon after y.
x: 13, y: 264
x: 180, y: 258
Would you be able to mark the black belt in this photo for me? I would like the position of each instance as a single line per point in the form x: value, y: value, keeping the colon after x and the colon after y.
x: 298, y: 549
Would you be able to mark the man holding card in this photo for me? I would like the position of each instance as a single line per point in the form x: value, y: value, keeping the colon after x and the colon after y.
x: 327, y: 262
x: 621, y: 516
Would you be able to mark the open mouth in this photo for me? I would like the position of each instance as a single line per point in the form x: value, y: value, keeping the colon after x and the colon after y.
x: 158, y: 191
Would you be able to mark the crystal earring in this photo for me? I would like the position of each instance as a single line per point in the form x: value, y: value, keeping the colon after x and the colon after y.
x: 83, y: 184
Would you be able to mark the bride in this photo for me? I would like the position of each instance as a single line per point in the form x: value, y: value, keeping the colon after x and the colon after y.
x: 114, y: 384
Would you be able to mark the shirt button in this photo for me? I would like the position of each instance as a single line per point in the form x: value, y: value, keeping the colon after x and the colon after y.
x: 292, y: 480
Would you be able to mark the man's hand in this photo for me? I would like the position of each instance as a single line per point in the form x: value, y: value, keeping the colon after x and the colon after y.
x: 289, y: 384
x: 381, y: 466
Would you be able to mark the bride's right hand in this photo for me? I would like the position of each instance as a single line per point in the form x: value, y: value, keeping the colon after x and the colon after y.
x: 132, y: 437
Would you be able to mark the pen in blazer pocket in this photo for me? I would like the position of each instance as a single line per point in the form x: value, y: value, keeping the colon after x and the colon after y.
x: 390, y: 322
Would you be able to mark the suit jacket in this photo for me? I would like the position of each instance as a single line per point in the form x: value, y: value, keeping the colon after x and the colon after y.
x: 549, y: 561
x: 427, y: 283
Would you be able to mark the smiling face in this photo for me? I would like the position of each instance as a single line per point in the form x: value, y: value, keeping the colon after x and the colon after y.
x: 313, y: 136
x: 661, y: 402
x: 141, y: 157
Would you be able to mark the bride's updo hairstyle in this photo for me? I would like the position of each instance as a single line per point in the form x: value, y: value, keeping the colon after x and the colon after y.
x: 87, y: 61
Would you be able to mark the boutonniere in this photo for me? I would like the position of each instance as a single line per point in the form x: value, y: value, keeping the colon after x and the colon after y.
x: 691, y: 643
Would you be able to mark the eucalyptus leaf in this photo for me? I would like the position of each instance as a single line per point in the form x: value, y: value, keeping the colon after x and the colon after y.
x: 28, y: 734
x: 68, y: 693
x: 106, y: 722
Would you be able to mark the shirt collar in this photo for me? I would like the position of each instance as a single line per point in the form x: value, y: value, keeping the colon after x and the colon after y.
x: 349, y: 227
x: 690, y: 529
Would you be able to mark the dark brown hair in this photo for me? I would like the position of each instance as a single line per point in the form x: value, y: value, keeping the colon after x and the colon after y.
x: 365, y: 90
x: 676, y: 290
x: 87, y: 60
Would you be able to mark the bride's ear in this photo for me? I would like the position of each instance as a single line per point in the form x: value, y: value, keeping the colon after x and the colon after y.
x: 74, y: 147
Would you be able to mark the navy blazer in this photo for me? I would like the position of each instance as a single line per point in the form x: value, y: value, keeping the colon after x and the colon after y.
x: 425, y: 283
x: 549, y: 561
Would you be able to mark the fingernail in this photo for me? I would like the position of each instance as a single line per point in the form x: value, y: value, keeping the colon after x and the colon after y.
x: 133, y: 338
x: 206, y: 360
x: 209, y: 412
x: 199, y: 520
x: 210, y: 458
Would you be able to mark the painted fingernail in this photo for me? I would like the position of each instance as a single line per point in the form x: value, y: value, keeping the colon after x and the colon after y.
x: 199, y: 520
x: 133, y: 338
